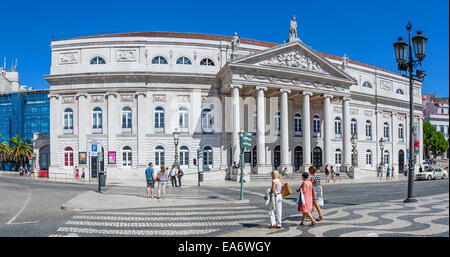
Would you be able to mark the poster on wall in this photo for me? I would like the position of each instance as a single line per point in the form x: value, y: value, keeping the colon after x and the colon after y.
x: 416, y: 139
x: 82, y: 158
x: 111, y: 157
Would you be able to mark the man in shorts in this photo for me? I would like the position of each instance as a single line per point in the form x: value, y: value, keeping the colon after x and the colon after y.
x: 150, y: 176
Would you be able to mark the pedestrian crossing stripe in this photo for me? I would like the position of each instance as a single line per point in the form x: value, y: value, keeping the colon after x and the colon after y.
x: 155, y: 224
x: 165, y: 218
x: 177, y: 213
x: 137, y: 232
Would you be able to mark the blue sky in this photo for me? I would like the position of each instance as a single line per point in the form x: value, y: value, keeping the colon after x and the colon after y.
x: 364, y: 30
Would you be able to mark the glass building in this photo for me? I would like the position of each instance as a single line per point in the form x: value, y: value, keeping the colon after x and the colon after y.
x: 24, y: 113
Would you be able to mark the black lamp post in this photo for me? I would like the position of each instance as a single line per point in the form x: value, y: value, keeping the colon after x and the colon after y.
x: 381, y: 143
x: 354, y: 141
x: 176, y: 137
x: 407, y: 63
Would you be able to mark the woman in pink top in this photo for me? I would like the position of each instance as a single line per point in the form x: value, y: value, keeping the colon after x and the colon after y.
x: 307, y: 206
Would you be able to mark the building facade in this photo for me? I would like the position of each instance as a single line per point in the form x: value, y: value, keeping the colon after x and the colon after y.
x: 131, y: 91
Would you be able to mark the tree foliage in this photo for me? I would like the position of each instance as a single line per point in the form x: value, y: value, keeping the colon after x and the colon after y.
x: 434, y: 141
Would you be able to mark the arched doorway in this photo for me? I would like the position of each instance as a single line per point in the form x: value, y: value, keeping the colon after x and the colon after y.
x: 317, y: 157
x: 401, y: 161
x: 276, y: 157
x: 298, y: 157
x: 254, y: 156
x: 44, y: 157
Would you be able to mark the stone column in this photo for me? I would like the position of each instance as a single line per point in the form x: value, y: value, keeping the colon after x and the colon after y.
x: 284, y: 131
x: 346, y: 138
x: 56, y: 116
x: 261, y: 166
x: 327, y: 128
x: 306, y: 119
x: 83, y: 124
x: 141, y: 97
x: 236, y: 122
x: 112, y: 116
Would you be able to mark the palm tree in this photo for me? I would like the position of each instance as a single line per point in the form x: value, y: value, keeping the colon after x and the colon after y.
x: 20, y: 148
x: 4, y: 152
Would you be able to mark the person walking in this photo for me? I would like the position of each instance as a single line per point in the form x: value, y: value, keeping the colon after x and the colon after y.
x: 83, y: 174
x: 276, y: 200
x: 333, y: 174
x: 392, y: 173
x: 179, y: 175
x: 306, y: 206
x: 21, y: 170
x: 173, y: 175
x: 327, y: 173
x: 150, y: 176
x: 338, y: 172
x: 77, y: 173
x: 315, y: 180
x: 162, y: 181
x: 285, y: 172
x: 380, y: 172
x: 388, y: 173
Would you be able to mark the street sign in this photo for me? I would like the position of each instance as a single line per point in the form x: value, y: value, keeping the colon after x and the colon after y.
x: 246, y: 140
x: 199, y: 153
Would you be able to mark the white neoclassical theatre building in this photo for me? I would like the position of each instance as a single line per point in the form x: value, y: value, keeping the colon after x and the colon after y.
x: 132, y: 90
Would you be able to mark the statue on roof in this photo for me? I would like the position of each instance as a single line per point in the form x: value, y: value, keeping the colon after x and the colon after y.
x: 235, y: 43
x: 345, y: 60
x: 293, y: 31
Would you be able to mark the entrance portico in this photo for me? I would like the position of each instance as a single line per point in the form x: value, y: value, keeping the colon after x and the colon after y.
x: 291, y: 73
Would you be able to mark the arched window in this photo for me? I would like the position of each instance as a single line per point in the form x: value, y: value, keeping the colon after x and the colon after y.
x: 338, y: 156
x: 126, y: 156
x: 386, y: 157
x: 368, y: 130
x: 68, y: 121
x: 97, y: 120
x: 277, y: 123
x: 207, y: 157
x: 207, y: 62
x: 207, y: 121
x: 126, y: 120
x: 386, y: 131
x: 369, y: 158
x: 400, y: 133
x: 68, y: 157
x: 353, y: 127
x: 159, y: 156
x: 184, y: 156
x: 159, y: 120
x: 399, y: 91
x: 184, y: 60
x: 367, y: 84
x: 98, y: 60
x: 316, y: 126
x: 159, y: 60
x: 183, y: 120
x: 337, y: 127
x: 298, y: 125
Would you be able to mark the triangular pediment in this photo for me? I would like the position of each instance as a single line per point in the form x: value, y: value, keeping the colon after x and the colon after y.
x: 294, y: 56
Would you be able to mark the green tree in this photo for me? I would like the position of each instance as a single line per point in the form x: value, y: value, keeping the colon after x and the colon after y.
x: 4, y: 152
x: 20, y: 148
x: 434, y: 141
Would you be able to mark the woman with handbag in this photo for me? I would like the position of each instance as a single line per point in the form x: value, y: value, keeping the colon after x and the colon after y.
x: 275, y: 200
x: 179, y: 175
x: 306, y: 204
x: 315, y: 180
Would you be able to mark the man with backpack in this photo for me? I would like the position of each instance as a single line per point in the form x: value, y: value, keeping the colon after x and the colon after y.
x: 150, y: 176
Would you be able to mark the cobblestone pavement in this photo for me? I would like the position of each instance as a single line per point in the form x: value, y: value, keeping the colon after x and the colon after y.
x: 428, y: 217
x: 204, y: 220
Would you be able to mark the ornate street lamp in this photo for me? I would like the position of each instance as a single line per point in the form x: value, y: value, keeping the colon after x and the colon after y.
x: 381, y: 143
x: 176, y: 137
x: 407, y: 63
x: 354, y: 141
